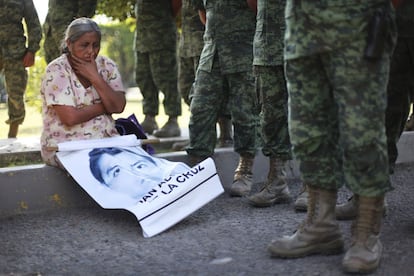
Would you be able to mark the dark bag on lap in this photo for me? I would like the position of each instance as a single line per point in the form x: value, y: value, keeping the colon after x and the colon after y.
x: 130, y: 125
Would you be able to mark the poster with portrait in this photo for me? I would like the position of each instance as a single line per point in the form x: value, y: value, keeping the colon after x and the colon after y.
x: 118, y: 174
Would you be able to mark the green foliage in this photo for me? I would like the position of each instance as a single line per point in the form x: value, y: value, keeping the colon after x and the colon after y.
x: 34, y: 82
x: 116, y: 9
x: 117, y: 44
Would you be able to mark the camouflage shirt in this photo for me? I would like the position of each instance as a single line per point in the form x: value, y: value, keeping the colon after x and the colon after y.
x: 155, y: 25
x: 64, y: 11
x: 192, y: 30
x: 270, y: 29
x: 229, y: 33
x: 12, y: 12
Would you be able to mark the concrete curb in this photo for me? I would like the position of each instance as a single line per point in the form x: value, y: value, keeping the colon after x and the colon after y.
x: 37, y: 188
x: 27, y: 150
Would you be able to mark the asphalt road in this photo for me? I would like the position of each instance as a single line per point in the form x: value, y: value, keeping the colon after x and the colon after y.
x: 226, y: 237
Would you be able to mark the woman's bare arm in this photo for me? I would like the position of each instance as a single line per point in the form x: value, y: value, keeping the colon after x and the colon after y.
x: 70, y: 115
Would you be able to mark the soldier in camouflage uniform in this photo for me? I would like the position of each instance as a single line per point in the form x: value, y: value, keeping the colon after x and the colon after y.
x: 337, y: 77
x: 60, y: 13
x: 189, y: 50
x: 225, y: 74
x: 156, y: 63
x: 15, y: 56
x: 399, y: 94
x: 401, y: 82
x: 271, y: 86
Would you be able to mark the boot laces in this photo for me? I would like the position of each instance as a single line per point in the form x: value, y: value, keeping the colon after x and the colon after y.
x: 312, y: 209
x: 276, y: 173
x: 367, y: 222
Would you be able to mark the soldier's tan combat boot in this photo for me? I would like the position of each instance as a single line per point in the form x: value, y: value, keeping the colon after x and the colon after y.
x: 13, y: 129
x: 226, y: 132
x: 349, y: 209
x: 301, y: 203
x: 275, y: 189
x: 365, y: 252
x: 243, y: 176
x: 149, y: 124
x: 170, y: 129
x: 318, y: 234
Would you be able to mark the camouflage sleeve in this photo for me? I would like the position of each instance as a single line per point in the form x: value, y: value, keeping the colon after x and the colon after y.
x: 34, y: 29
x: 87, y: 8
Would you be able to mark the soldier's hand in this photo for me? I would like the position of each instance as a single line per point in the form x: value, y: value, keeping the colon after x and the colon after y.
x: 28, y: 59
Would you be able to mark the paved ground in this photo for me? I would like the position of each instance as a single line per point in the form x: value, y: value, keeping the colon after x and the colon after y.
x: 226, y: 237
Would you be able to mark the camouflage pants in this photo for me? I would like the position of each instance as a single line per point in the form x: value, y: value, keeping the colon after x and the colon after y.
x: 212, y: 90
x: 16, y: 81
x: 337, y: 120
x: 157, y: 71
x: 273, y: 98
x: 187, y: 66
x: 400, y: 94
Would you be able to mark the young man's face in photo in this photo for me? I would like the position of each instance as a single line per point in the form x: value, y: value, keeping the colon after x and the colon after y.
x: 129, y: 173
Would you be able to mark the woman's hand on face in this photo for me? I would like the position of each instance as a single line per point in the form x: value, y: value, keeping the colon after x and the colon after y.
x: 86, y: 69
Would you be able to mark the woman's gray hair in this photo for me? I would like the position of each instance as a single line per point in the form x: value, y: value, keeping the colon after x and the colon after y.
x: 77, y: 28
